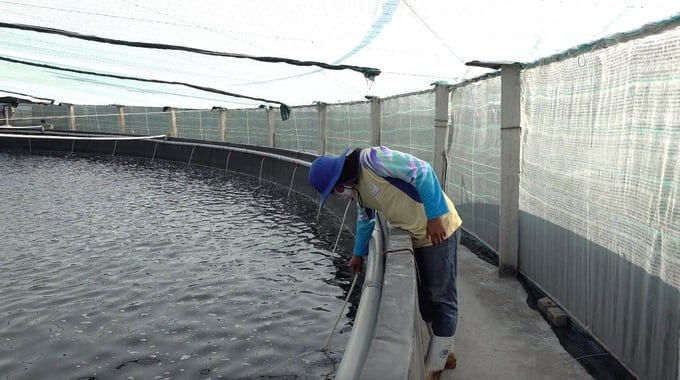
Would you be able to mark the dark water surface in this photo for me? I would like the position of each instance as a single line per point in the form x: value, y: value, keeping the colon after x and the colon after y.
x: 117, y: 268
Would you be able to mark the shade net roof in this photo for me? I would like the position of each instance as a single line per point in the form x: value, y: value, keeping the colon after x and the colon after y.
x: 245, y: 53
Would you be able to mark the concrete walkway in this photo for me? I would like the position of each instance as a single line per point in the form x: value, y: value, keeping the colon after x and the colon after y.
x: 498, y: 335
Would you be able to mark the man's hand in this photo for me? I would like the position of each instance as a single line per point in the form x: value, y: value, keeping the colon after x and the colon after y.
x: 355, y: 264
x: 436, y: 231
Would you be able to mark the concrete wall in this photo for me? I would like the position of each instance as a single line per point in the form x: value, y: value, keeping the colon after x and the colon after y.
x: 401, y: 336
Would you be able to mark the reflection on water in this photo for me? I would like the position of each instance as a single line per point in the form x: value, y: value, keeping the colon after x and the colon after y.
x: 121, y: 268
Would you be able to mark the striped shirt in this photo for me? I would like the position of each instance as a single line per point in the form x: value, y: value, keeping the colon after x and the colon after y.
x: 405, y: 190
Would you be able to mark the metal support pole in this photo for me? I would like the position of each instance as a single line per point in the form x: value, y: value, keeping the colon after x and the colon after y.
x: 441, y: 131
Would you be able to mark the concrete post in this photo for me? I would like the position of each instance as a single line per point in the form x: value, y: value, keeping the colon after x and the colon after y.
x: 71, y: 118
x: 321, y: 112
x: 441, y: 131
x: 271, y: 123
x: 376, y: 119
x: 8, y: 113
x: 510, y: 148
x: 173, y: 122
x: 121, y: 119
x: 223, y: 125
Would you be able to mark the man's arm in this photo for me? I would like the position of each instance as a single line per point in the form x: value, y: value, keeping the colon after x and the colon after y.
x: 364, y: 230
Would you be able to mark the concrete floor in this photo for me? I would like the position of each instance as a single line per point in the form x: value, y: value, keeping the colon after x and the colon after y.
x: 498, y: 335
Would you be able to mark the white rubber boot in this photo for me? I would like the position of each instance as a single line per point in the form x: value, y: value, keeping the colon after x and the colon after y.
x: 451, y: 360
x: 437, y: 353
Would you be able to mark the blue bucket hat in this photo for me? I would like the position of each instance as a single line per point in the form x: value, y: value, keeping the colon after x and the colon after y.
x: 325, y: 172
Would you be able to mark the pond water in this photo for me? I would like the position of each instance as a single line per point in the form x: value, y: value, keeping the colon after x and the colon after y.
x: 120, y: 268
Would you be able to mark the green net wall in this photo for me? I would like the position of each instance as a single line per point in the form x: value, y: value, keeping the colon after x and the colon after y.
x: 248, y: 126
x: 189, y: 124
x: 55, y: 115
x: 33, y: 114
x: 103, y: 119
x: 347, y: 125
x: 23, y: 115
x: 209, y: 125
x: 300, y: 132
x: 407, y: 124
x: 198, y: 124
x: 237, y: 127
x: 150, y: 121
x: 259, y: 127
x: 473, y: 171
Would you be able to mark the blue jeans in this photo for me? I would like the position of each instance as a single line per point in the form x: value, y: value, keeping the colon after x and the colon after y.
x: 437, y: 293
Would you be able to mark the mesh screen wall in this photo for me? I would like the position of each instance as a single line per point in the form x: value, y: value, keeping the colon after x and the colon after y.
x: 300, y: 132
x: 189, y: 124
x: 599, y: 191
x: 96, y: 118
x: 22, y: 116
x: 473, y: 171
x: 246, y: 126
x: 407, y: 124
x: 198, y: 124
x: 147, y: 121
x: 347, y: 125
x: 55, y: 115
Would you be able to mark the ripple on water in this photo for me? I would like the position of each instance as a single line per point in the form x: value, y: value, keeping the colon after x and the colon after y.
x: 117, y: 268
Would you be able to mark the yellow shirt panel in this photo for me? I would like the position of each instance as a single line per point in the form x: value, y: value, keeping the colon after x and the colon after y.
x: 399, y: 209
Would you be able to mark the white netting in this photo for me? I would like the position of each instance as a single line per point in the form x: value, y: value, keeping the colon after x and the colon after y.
x: 600, y: 149
x: 146, y: 121
x: 407, y: 124
x: 247, y: 126
x: 473, y: 174
x: 300, y: 132
x: 348, y: 125
x: 197, y: 124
